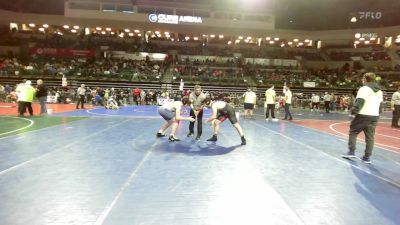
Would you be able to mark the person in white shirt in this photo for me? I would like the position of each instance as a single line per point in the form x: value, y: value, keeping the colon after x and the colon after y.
x: 270, y: 102
x: 327, y: 101
x: 288, y: 103
x: 81, y: 96
x: 171, y: 112
x: 366, y: 108
x: 315, y: 102
x: 249, y: 102
x: 395, y: 107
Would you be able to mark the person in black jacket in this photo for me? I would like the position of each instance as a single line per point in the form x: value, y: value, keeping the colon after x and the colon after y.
x: 41, y: 95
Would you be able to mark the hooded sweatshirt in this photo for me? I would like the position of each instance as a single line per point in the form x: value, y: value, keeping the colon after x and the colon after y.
x: 368, y: 101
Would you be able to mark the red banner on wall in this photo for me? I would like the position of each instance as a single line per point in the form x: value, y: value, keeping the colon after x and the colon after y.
x: 63, y: 52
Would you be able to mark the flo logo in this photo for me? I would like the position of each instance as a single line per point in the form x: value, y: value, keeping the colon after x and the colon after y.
x: 153, y: 18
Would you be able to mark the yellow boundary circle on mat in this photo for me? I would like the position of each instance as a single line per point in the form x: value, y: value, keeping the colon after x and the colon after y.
x: 23, y: 128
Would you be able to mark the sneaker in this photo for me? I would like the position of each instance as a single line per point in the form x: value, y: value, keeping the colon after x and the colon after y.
x: 213, y: 138
x: 190, y: 134
x: 349, y: 155
x: 243, y: 141
x: 172, y: 138
x: 275, y: 120
x: 160, y: 134
x: 366, y: 160
x: 197, y: 138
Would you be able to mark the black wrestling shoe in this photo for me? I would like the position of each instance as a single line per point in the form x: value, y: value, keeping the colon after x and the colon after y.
x: 190, y: 134
x: 243, y: 141
x: 197, y: 137
x: 160, y: 135
x: 172, y: 138
x: 213, y: 138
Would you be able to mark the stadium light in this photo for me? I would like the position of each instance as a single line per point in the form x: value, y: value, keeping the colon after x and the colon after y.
x: 272, y: 42
x: 366, y: 42
x: 357, y: 35
x: 41, y: 29
x: 301, y: 43
x: 103, y: 32
x: 137, y: 31
x: 166, y: 33
x: 32, y: 25
x: 290, y: 43
x: 307, y: 40
x: 127, y: 30
x: 59, y: 33
x: 229, y: 42
x: 112, y: 33
x: 357, y: 42
x: 362, y: 39
x: 45, y: 25
x: 157, y: 32
x: 187, y: 38
x: 196, y: 38
x: 283, y: 45
x: 121, y: 35
x: 267, y: 38
x: 172, y: 39
x: 276, y: 39
x: 167, y: 36
x: 212, y: 35
x: 240, y: 37
x: 108, y: 29
x: 98, y: 28
x: 221, y: 36
x: 76, y: 27
x: 353, y: 19
x: 296, y: 40
x: 248, y: 38
x: 139, y: 35
x: 130, y: 34
x: 372, y: 39
x: 66, y: 27
x: 73, y: 31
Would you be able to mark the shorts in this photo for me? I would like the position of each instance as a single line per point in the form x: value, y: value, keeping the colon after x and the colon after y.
x: 166, y: 114
x: 248, y: 106
x: 229, y: 114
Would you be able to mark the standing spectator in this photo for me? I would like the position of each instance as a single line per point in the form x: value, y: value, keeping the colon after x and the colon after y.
x: 81, y: 96
x: 41, y: 94
x: 395, y: 106
x: 366, y: 108
x: 142, y: 97
x: 315, y: 102
x: 136, y: 95
x: 327, y: 100
x: 196, y: 110
x: 270, y: 102
x: 25, y: 98
x: 18, y: 90
x: 288, y: 103
x: 249, y: 102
